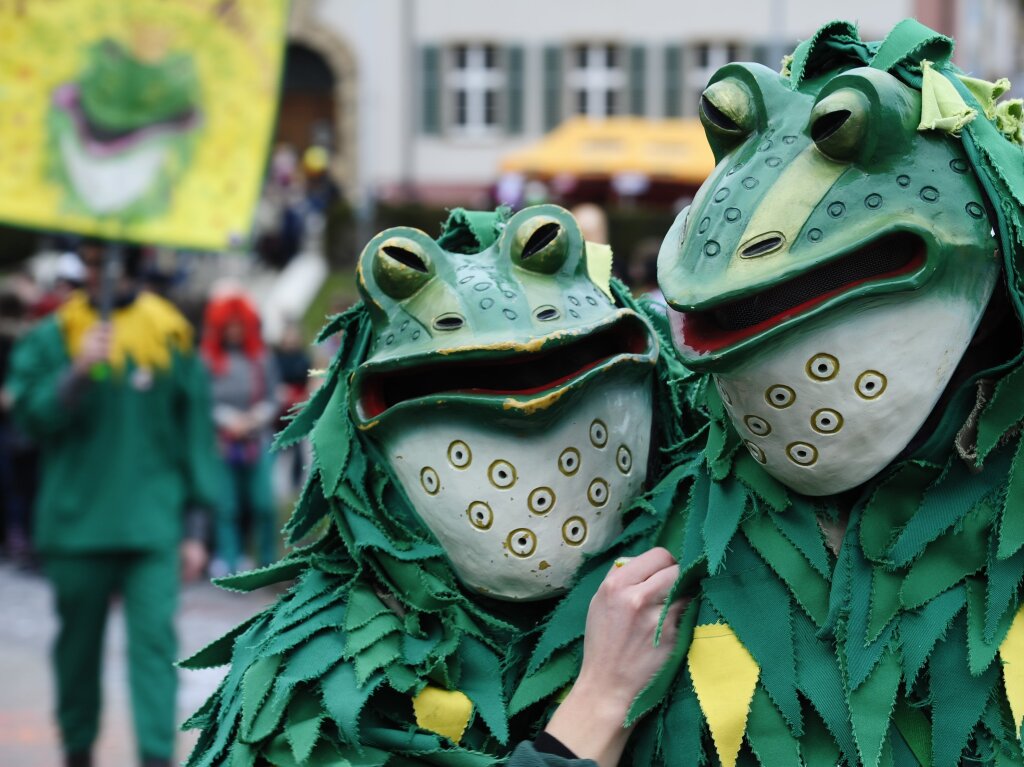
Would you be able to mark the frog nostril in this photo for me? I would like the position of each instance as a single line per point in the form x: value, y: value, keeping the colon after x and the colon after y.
x: 763, y: 245
x: 448, y: 322
x: 546, y: 313
x: 828, y: 124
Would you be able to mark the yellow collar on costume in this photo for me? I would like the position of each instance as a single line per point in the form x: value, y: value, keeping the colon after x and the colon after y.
x: 146, y: 331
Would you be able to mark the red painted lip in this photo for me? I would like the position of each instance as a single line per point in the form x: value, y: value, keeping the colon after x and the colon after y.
x: 715, y: 329
x: 515, y: 374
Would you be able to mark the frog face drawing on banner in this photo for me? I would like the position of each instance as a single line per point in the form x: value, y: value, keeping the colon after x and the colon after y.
x: 509, y: 396
x: 123, y: 130
x: 831, y: 272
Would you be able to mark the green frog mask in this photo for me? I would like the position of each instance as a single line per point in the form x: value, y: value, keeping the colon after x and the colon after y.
x: 509, y: 396
x: 832, y: 270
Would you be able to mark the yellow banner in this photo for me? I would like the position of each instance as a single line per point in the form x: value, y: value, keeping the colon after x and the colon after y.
x: 138, y: 120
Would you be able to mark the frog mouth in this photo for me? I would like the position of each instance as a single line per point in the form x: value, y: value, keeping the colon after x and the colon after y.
x: 102, y: 142
x: 882, y: 265
x: 509, y: 372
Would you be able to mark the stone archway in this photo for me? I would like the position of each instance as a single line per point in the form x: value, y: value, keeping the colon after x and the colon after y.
x: 305, y: 30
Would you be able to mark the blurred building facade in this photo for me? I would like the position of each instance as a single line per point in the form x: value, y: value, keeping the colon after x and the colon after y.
x: 419, y: 99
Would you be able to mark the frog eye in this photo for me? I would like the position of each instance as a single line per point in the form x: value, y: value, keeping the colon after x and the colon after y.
x: 541, y: 244
x: 838, y: 124
x: 401, y: 267
x: 726, y: 107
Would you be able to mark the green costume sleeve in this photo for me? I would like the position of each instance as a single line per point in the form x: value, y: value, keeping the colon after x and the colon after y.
x: 526, y: 755
x: 198, y: 449
x: 39, y: 364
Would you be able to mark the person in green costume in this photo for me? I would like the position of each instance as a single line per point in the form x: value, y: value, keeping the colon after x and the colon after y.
x: 847, y: 286
x: 498, y: 412
x: 121, y: 413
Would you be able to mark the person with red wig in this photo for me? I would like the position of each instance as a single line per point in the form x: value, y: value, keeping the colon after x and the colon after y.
x: 244, y: 385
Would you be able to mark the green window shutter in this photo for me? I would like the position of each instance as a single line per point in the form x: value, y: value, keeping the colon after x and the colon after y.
x: 553, y: 87
x: 674, y: 81
x: 762, y: 54
x: 430, y: 59
x: 514, y: 79
x: 637, y: 80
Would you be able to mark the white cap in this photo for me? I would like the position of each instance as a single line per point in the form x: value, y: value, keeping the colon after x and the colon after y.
x: 70, y: 268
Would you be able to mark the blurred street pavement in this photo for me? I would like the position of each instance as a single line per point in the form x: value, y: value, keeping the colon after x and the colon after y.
x: 28, y: 734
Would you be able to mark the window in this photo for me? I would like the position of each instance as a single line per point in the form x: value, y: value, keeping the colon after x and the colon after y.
x: 706, y: 58
x: 596, y: 79
x: 476, y: 82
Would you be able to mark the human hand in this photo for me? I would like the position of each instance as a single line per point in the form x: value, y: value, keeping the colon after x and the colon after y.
x: 95, y: 348
x: 193, y: 559
x: 619, y: 655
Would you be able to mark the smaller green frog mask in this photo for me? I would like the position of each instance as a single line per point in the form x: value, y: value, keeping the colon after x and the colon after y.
x: 833, y: 269
x: 508, y: 394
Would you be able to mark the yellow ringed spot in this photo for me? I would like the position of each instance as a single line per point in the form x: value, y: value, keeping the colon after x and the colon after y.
x: 826, y: 421
x: 430, y: 481
x: 541, y: 500
x: 597, y: 493
x: 757, y: 425
x: 480, y: 515
x: 598, y: 433
x: 870, y: 384
x: 569, y: 461
x: 722, y: 391
x: 756, y: 451
x: 802, y: 453
x: 459, y: 454
x: 522, y: 542
x: 780, y: 396
x: 574, y: 531
x: 502, y: 474
x: 822, y: 367
x: 624, y: 459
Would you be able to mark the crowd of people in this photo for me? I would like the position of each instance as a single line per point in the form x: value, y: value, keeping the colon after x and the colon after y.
x: 128, y: 454
x: 253, y: 385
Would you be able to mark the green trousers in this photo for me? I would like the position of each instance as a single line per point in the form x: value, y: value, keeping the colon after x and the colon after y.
x: 85, y: 585
x: 247, y: 485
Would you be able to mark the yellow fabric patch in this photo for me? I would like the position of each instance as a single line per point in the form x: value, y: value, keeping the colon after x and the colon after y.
x: 1007, y: 115
x: 1011, y: 652
x: 146, y: 331
x: 942, y: 108
x: 724, y: 677
x: 985, y: 92
x: 599, y: 266
x: 445, y: 712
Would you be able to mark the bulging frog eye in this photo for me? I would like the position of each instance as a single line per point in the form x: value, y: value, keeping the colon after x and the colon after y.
x: 839, y: 123
x: 401, y: 267
x: 541, y: 245
x: 726, y: 107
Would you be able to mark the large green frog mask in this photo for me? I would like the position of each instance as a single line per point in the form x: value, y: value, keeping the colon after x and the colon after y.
x: 832, y: 270
x: 508, y: 394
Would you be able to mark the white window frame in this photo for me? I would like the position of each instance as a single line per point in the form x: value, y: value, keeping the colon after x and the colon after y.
x: 597, y: 79
x: 475, y: 80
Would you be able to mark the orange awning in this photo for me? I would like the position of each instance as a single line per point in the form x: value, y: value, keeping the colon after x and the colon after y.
x: 662, y: 150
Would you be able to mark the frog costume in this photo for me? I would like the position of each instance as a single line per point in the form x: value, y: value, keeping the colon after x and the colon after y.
x: 848, y: 282
x: 485, y: 427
